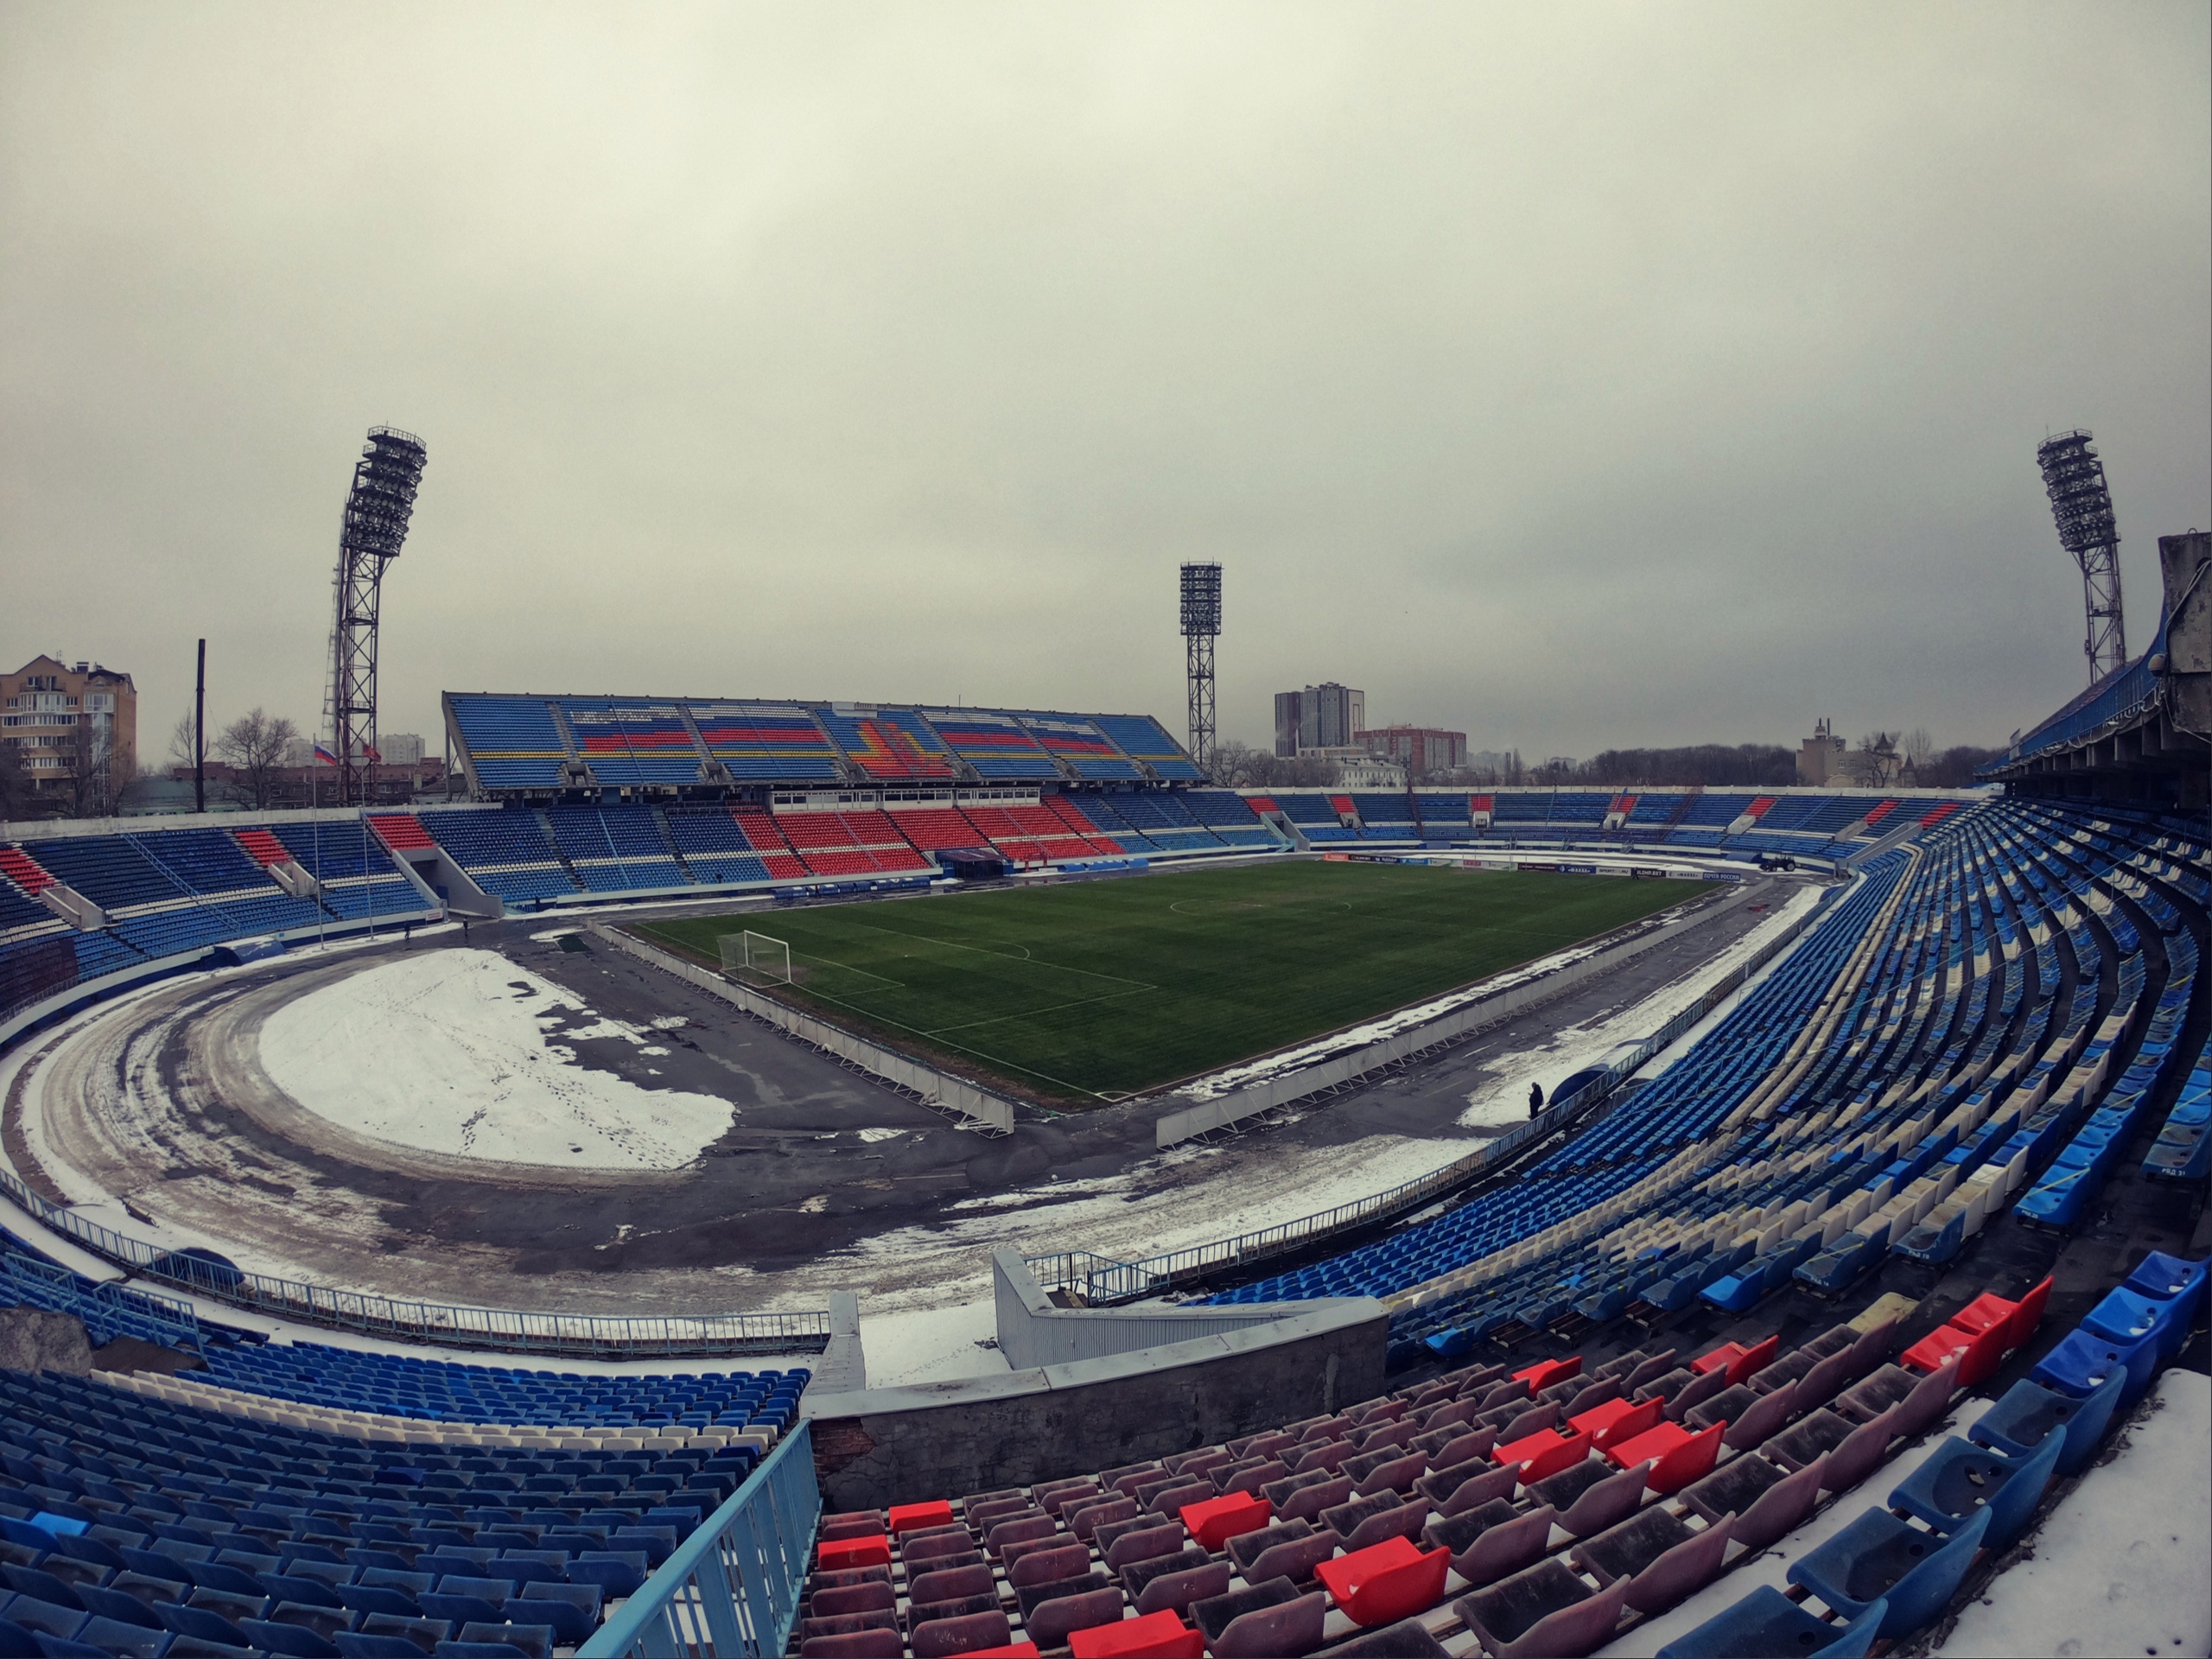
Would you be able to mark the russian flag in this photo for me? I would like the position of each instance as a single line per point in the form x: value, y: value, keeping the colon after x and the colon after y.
x: 323, y: 756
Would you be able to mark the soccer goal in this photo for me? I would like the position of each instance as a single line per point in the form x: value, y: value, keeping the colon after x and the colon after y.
x: 755, y: 957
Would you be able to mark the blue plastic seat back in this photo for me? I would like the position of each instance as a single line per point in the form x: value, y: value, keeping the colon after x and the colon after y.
x: 2125, y: 1312
x: 2082, y: 1360
x: 1917, y: 1572
x: 1766, y: 1622
x: 2085, y: 1430
x: 1963, y: 1480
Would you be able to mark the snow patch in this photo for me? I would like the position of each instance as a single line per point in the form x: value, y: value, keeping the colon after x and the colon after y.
x: 2118, y: 1565
x: 446, y: 1053
x: 1375, y: 1031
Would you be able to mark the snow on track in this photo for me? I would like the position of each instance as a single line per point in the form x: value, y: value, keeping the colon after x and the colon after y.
x: 452, y: 1051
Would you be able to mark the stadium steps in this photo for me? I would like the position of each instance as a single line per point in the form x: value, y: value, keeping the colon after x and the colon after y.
x: 667, y: 836
x: 560, y: 853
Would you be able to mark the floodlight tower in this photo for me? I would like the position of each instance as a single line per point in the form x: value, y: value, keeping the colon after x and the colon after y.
x: 377, y: 511
x: 1201, y: 626
x: 2082, y: 506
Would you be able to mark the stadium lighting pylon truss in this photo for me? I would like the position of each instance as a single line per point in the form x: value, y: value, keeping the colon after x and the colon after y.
x: 2082, y: 504
x: 1201, y: 625
x: 378, y: 508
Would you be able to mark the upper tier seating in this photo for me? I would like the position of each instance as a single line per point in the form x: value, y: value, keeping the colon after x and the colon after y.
x: 627, y: 741
x: 767, y: 742
x: 1144, y: 739
x: 512, y: 742
x: 526, y: 743
x: 1082, y: 746
x: 890, y: 745
x: 993, y: 746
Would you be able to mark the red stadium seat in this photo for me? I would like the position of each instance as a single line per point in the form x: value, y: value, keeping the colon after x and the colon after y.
x: 1385, y: 1582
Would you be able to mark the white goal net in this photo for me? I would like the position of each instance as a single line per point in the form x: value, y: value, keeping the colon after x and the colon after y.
x: 756, y: 958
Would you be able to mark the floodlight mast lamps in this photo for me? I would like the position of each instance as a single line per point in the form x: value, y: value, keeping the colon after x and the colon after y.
x: 2082, y: 505
x: 378, y: 508
x: 1201, y: 625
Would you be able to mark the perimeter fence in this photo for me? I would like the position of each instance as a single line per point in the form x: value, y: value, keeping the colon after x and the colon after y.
x: 582, y: 1336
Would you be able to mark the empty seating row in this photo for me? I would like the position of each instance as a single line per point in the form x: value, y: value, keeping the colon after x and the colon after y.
x: 1538, y: 1511
x: 1900, y: 1079
x: 1896, y: 1568
x: 165, y: 1518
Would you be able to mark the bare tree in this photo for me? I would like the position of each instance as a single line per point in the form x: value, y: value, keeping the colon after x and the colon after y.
x: 1239, y: 766
x: 1919, y: 750
x: 16, y: 797
x: 1873, y: 763
x: 180, y: 738
x: 253, y: 746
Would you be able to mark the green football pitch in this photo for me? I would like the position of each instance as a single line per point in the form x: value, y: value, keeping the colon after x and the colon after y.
x: 1096, y: 990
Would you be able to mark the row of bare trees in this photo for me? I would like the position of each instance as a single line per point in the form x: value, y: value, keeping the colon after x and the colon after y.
x: 253, y: 747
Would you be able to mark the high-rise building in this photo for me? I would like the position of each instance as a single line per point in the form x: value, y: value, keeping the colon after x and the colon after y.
x: 1327, y: 716
x: 75, y: 730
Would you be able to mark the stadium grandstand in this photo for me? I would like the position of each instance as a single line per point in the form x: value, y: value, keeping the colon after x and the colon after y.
x: 1766, y: 1336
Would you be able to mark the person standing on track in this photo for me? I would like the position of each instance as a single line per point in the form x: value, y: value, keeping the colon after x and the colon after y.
x: 1536, y: 1098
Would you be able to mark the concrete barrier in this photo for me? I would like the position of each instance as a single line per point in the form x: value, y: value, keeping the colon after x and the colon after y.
x: 876, y: 1447
x: 1032, y: 1332
x: 978, y: 1106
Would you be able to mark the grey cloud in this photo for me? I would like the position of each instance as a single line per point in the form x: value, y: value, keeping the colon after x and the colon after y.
x: 1577, y: 376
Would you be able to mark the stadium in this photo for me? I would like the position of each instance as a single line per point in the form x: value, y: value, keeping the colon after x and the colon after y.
x: 849, y: 1178
x: 770, y: 1076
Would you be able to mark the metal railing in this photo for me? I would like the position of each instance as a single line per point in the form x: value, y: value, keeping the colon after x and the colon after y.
x: 70, y: 1292
x: 732, y: 1586
x: 439, y: 1324
x: 1102, y: 1280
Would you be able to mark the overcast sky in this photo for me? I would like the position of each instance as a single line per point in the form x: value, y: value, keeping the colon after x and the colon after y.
x: 1580, y: 376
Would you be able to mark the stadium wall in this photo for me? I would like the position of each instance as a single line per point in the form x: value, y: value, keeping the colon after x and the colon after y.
x: 876, y: 1447
x: 1033, y: 1330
